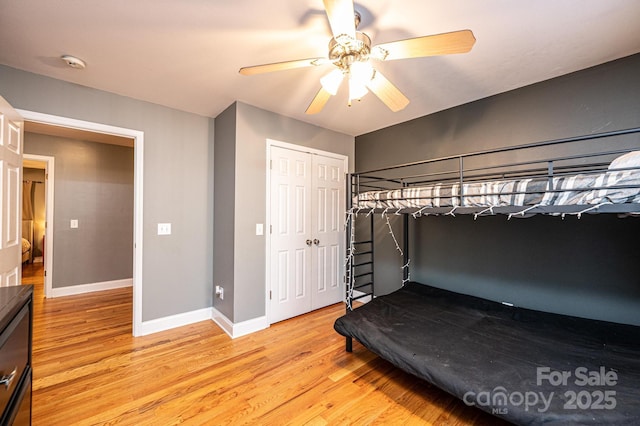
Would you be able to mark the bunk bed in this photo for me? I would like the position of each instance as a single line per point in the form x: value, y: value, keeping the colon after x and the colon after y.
x: 526, y: 366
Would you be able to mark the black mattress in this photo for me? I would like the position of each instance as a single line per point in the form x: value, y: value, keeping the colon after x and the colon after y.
x: 525, y: 366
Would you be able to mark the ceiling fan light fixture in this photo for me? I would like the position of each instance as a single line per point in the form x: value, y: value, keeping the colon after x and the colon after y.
x: 357, y: 91
x: 362, y: 72
x: 331, y: 82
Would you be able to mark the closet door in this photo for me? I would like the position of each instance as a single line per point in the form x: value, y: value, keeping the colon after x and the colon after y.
x: 307, y: 232
x: 291, y: 242
x: 328, y: 206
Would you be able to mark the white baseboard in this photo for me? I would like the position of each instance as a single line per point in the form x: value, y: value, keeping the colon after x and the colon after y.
x: 238, y: 329
x: 89, y: 288
x: 166, y: 323
x: 174, y: 321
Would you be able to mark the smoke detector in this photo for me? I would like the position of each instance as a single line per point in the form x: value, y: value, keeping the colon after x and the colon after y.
x: 74, y: 62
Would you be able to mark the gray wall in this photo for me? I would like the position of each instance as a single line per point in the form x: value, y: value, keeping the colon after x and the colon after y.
x: 463, y: 255
x: 224, y: 207
x: 586, y: 267
x: 178, y: 185
x: 589, y: 101
x: 93, y: 184
x: 253, y: 126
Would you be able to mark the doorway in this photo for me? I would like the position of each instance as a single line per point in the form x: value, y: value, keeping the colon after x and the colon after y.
x: 138, y: 147
x: 37, y: 215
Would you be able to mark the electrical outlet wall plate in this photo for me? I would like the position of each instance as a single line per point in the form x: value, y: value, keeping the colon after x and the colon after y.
x: 164, y: 229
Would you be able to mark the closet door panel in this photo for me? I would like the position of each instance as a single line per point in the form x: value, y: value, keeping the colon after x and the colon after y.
x: 328, y: 207
x: 291, y: 218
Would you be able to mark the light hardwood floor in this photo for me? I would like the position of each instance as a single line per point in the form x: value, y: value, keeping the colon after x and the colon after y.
x: 89, y: 370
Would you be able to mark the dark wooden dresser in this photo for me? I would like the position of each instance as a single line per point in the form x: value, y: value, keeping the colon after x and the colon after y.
x: 16, y: 304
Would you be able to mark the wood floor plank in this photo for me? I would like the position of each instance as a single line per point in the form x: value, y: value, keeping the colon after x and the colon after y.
x: 89, y: 370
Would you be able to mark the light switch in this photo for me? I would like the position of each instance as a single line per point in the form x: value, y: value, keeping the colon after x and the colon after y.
x: 73, y: 223
x: 164, y: 229
x: 259, y: 229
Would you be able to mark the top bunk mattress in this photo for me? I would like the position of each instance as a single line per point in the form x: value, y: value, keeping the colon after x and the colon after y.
x: 526, y: 366
x: 610, y: 187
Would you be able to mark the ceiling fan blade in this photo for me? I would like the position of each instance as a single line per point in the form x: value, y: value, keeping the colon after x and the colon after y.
x: 438, y: 44
x: 387, y: 92
x: 279, y: 66
x: 318, y: 102
x: 341, y: 18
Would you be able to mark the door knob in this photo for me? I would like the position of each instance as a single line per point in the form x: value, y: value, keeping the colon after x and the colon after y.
x: 316, y: 241
x: 308, y: 243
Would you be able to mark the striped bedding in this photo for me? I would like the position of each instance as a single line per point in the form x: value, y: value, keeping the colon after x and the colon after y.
x: 613, y: 186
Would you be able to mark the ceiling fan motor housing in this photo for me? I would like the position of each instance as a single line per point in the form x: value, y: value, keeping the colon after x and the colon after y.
x: 343, y: 54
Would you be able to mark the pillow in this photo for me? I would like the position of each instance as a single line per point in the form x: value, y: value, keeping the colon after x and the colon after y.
x: 26, y: 245
x: 630, y: 159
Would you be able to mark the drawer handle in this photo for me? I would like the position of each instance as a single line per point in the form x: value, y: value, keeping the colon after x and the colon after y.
x: 6, y: 380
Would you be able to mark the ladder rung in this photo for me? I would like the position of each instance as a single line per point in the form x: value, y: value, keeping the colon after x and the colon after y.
x: 362, y: 285
x: 363, y: 242
x: 362, y: 253
x: 363, y: 264
x: 361, y: 296
x: 364, y: 274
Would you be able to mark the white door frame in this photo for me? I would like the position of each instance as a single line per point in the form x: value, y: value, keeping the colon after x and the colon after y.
x: 49, y: 198
x: 138, y: 150
x: 294, y: 147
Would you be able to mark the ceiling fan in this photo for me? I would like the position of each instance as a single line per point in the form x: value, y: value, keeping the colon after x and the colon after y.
x: 350, y: 51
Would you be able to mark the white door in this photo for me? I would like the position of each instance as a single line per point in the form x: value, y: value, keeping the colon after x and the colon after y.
x: 10, y: 177
x: 307, y: 192
x: 291, y: 242
x: 328, y: 206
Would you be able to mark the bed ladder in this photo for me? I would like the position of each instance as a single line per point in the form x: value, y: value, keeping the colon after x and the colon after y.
x: 360, y: 272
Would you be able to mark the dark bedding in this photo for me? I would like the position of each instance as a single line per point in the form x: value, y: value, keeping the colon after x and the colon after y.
x: 525, y: 366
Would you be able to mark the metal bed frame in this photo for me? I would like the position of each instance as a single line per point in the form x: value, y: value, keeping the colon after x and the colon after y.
x: 479, y: 166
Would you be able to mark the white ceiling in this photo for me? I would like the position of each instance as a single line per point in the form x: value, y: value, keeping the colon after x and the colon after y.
x: 186, y: 54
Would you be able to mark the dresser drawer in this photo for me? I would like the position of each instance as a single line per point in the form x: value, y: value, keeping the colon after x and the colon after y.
x: 21, y: 414
x: 14, y: 356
